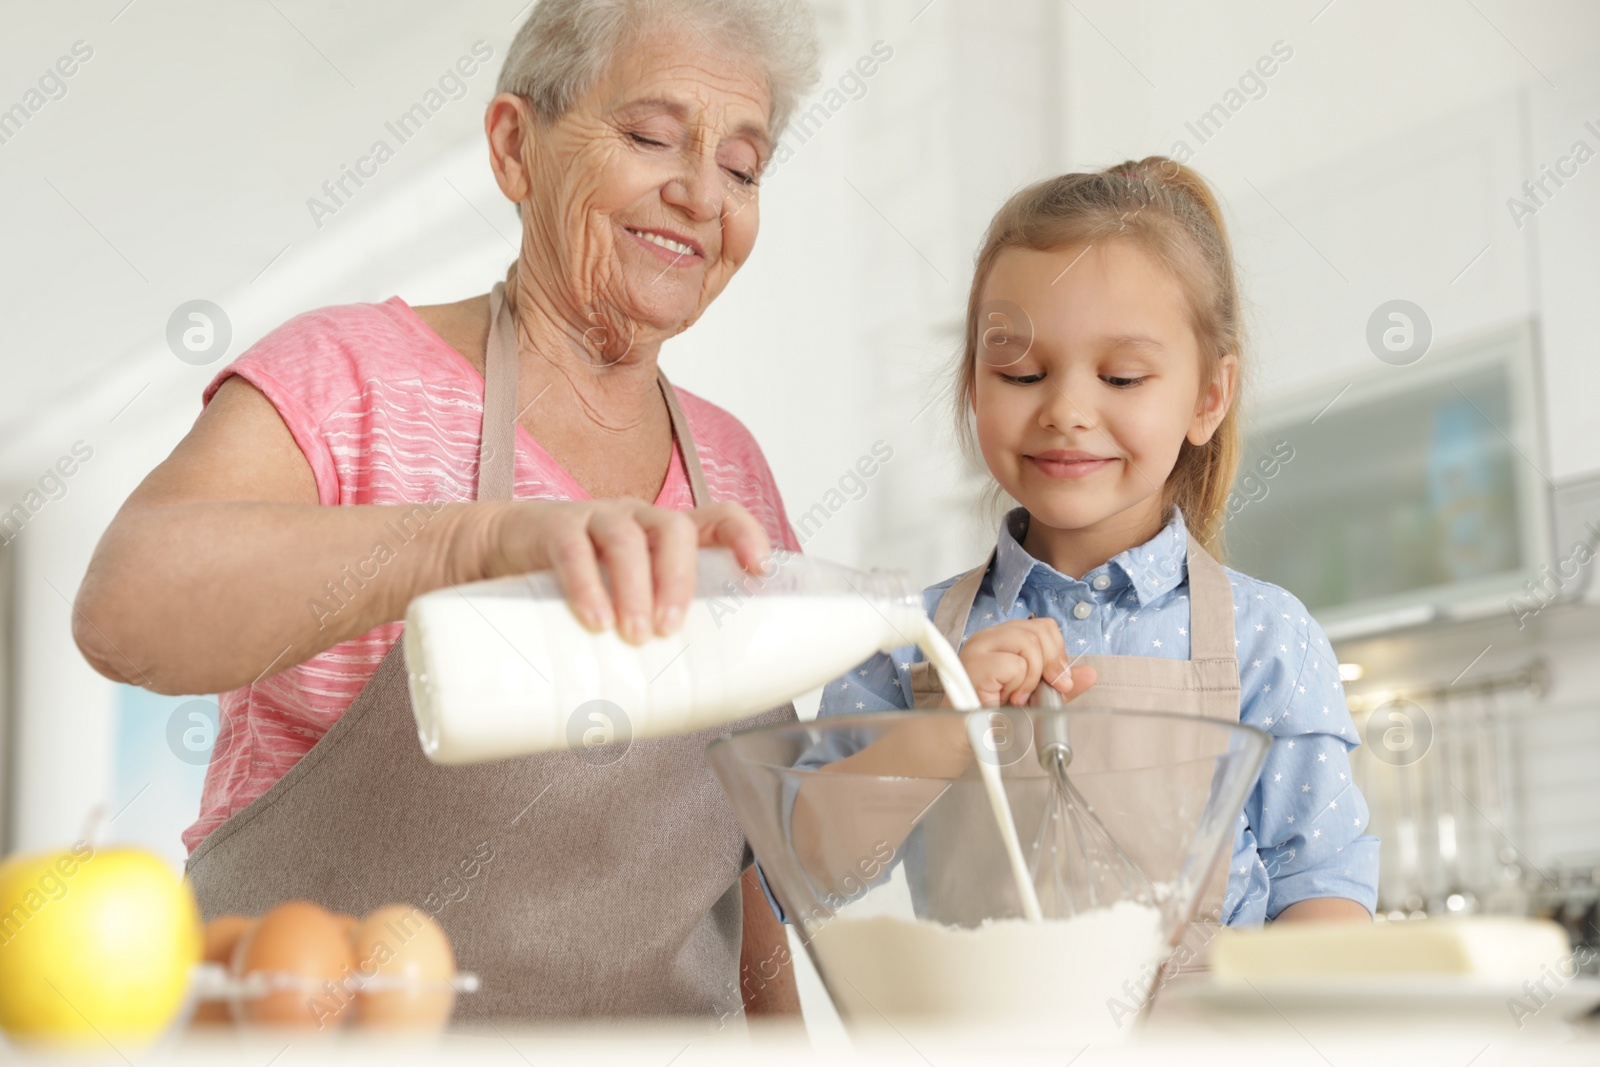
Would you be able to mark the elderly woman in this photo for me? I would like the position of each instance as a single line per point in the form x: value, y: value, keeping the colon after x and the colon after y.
x: 361, y: 455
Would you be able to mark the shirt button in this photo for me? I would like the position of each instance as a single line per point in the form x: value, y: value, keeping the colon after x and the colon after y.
x: 1101, y: 581
x: 1082, y: 610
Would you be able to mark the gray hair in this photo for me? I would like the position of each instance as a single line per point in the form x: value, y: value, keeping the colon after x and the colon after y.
x: 565, y: 45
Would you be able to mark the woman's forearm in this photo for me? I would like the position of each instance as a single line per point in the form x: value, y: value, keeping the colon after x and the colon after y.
x: 203, y: 597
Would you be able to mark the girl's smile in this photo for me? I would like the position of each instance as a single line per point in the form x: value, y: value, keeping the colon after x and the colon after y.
x: 1056, y: 463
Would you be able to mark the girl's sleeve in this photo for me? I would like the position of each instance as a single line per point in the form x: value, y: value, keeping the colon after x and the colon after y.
x: 1306, y: 815
x: 873, y: 686
x: 880, y: 683
x: 883, y: 681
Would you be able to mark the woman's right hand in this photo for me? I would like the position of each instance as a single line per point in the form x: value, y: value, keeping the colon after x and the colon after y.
x: 649, y: 551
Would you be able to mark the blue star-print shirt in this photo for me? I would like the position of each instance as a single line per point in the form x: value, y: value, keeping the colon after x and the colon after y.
x: 1300, y: 833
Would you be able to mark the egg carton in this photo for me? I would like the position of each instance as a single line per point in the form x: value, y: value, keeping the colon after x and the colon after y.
x: 213, y: 981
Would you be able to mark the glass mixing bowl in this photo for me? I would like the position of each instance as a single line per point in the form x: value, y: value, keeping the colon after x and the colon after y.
x: 877, y: 836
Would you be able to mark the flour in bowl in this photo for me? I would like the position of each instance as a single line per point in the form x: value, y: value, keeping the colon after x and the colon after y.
x: 1058, y: 973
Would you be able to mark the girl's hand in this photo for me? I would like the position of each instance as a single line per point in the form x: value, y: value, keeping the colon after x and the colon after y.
x: 1007, y: 662
x: 944, y: 745
x: 650, y: 552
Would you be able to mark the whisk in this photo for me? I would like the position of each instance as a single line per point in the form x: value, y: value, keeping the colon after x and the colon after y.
x: 1087, y: 867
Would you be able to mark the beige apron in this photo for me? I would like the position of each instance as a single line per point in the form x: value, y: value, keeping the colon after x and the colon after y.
x: 1179, y: 763
x: 570, y: 887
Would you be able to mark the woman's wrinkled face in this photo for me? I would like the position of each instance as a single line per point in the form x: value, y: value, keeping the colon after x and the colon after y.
x: 642, y: 198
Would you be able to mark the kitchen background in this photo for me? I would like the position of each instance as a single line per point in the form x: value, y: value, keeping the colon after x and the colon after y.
x: 1415, y: 199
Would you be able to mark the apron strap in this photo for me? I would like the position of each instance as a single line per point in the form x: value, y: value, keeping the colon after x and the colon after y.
x: 497, y: 448
x: 955, y: 606
x: 950, y: 619
x: 1210, y: 606
x: 686, y: 445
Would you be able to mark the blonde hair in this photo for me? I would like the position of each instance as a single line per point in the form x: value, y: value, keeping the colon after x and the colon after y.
x: 1171, y: 212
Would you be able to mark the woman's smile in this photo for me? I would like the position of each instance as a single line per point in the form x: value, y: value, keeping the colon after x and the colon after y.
x: 673, y: 248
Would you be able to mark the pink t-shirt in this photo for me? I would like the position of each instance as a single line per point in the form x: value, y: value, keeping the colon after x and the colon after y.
x: 387, y: 413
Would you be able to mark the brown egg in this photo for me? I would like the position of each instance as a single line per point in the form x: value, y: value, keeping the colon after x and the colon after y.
x: 350, y: 923
x: 221, y: 936
x: 301, y: 939
x: 399, y: 940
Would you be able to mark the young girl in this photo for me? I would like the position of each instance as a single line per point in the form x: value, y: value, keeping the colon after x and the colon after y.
x: 1099, y: 382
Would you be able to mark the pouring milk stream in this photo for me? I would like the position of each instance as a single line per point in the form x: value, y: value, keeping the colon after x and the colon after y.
x: 503, y: 668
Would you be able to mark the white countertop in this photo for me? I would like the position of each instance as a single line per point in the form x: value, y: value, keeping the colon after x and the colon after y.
x: 1257, y: 1043
x: 1184, y: 1026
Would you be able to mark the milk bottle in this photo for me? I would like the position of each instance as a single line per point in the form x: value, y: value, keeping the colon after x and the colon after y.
x: 504, y: 668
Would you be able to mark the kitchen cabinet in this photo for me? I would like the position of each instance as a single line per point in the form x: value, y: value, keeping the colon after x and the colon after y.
x: 1400, y: 495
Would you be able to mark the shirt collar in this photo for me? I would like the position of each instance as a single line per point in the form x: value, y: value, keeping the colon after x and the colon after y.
x: 1154, y: 568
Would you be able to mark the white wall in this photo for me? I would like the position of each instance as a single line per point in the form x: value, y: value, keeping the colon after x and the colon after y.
x: 1568, y: 265
x: 177, y: 165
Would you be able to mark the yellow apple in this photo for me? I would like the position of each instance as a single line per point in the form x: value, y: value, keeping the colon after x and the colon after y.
x: 95, y: 945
